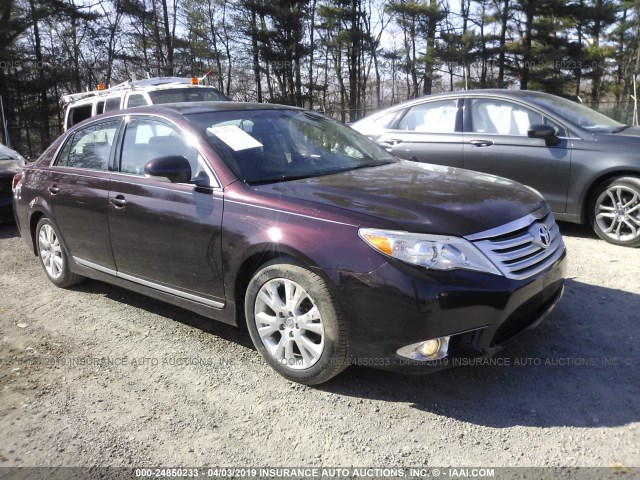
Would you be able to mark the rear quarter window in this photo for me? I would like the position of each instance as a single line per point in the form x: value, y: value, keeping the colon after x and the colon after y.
x: 90, y: 147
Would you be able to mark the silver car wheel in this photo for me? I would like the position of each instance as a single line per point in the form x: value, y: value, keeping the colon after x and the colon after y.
x: 289, y: 324
x: 618, y: 213
x: 50, y: 251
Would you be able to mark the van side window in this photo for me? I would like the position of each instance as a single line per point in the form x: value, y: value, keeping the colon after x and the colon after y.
x: 112, y: 103
x: 79, y: 113
x: 136, y: 100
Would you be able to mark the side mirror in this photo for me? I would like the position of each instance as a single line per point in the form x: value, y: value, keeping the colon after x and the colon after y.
x: 201, y: 180
x: 176, y: 168
x: 545, y: 132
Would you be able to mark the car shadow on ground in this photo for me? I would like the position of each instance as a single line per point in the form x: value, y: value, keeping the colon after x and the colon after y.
x: 577, y: 230
x: 9, y: 230
x: 579, y: 369
x: 186, y: 317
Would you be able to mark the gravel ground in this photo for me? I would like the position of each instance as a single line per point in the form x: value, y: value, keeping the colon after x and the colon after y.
x: 565, y: 394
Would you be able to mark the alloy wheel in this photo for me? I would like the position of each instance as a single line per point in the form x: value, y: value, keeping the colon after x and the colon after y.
x: 617, y: 213
x: 50, y: 251
x: 289, y: 324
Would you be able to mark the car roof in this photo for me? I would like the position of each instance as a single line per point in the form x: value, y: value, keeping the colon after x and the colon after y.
x: 183, y: 108
x: 486, y: 91
x: 499, y: 92
x: 186, y: 108
x: 530, y: 95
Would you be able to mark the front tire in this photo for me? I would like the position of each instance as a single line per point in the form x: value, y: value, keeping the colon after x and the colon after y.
x: 294, y: 322
x: 615, y: 211
x: 53, y: 257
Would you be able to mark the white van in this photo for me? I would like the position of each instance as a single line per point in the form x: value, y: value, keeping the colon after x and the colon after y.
x: 80, y: 106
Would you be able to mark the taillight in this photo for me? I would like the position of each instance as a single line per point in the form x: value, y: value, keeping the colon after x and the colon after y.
x: 16, y: 179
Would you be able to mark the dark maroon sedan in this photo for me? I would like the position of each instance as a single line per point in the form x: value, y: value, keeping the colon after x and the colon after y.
x: 330, y: 250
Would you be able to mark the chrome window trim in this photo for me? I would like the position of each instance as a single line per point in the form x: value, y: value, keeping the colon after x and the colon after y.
x: 480, y: 134
x: 147, y: 283
x: 111, y: 177
x: 162, y: 187
x: 71, y: 172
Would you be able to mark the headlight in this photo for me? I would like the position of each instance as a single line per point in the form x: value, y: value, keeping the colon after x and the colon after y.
x: 436, y: 252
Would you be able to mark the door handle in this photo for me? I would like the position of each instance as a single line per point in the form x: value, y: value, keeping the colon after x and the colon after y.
x: 390, y: 141
x: 481, y: 143
x: 54, y: 189
x: 118, y: 201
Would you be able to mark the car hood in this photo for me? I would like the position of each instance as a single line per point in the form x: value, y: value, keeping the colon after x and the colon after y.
x: 418, y: 197
x: 630, y: 134
x: 10, y: 166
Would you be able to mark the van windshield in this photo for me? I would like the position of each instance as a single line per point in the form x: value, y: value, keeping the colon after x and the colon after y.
x: 178, y: 95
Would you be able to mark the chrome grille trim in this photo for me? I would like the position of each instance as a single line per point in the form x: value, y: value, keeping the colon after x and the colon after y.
x: 511, y: 226
x: 514, y: 249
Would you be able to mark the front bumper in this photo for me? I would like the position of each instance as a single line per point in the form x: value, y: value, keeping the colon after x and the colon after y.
x: 398, y: 304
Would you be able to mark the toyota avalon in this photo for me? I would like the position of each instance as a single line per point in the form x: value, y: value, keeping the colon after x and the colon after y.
x: 327, y: 248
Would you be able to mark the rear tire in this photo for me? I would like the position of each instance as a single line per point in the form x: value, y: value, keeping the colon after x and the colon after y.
x: 295, y: 324
x: 53, y: 257
x: 614, y: 211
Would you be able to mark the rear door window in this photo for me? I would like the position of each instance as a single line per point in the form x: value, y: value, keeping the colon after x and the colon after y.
x: 431, y: 117
x: 90, y: 147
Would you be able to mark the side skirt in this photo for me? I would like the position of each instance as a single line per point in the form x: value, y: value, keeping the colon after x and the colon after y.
x: 223, y: 313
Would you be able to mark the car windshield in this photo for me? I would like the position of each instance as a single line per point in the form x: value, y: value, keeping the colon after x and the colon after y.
x: 268, y: 146
x: 577, y: 114
x: 187, y: 94
x: 7, y: 154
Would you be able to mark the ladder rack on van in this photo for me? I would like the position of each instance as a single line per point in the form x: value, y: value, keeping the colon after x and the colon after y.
x: 128, y: 85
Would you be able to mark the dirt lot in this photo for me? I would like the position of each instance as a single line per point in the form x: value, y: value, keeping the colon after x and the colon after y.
x: 100, y: 376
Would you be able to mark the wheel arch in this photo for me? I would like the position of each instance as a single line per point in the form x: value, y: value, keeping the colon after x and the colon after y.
x: 34, y: 218
x: 252, y: 262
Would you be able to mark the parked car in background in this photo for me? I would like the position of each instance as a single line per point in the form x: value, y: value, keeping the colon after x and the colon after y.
x: 585, y: 164
x: 11, y: 162
x: 151, y: 91
x: 330, y: 250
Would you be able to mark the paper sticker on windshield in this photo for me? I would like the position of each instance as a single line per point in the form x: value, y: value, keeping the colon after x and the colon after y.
x: 235, y: 137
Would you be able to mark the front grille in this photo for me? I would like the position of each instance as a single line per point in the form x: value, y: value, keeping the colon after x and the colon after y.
x: 522, y: 248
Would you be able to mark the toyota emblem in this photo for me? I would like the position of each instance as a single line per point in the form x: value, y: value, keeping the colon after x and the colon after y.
x: 544, y: 236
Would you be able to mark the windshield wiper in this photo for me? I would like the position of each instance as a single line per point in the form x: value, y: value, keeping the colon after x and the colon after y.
x: 288, y: 178
x: 619, y: 129
x: 281, y: 178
